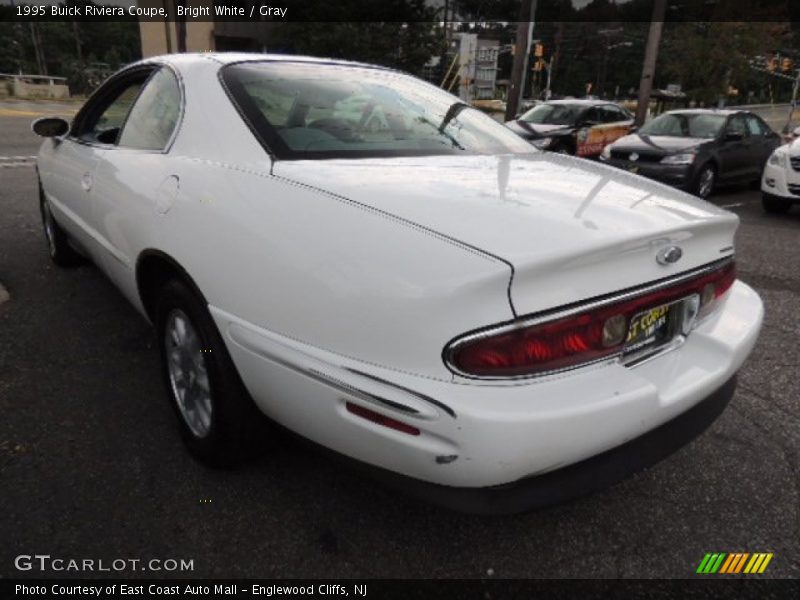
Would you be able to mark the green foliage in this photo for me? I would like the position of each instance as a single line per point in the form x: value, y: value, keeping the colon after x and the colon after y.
x: 69, y: 48
x: 402, y: 44
x: 708, y: 58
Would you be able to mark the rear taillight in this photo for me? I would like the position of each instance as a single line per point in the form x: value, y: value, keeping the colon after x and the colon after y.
x: 582, y: 334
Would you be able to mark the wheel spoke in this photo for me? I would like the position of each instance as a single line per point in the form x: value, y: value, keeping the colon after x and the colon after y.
x: 188, y: 376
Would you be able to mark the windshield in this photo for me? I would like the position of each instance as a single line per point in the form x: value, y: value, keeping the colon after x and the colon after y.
x: 685, y: 125
x: 302, y: 110
x: 552, y: 114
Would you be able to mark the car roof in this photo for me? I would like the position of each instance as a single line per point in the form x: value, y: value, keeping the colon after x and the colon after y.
x: 226, y: 58
x: 708, y: 111
x: 580, y: 102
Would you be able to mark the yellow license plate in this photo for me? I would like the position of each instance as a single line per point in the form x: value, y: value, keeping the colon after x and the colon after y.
x: 649, y: 328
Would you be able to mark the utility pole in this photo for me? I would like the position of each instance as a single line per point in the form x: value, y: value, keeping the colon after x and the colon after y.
x: 180, y: 27
x: 650, y: 56
x: 521, y: 50
x: 793, y: 104
x: 38, y: 51
x: 76, y: 34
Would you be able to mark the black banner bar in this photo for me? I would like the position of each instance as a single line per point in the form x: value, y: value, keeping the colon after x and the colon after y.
x: 740, y: 587
x: 392, y: 10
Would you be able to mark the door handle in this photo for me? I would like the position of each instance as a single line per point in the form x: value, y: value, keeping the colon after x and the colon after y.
x: 87, y: 181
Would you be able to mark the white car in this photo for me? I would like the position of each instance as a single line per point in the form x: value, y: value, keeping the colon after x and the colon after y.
x: 780, y: 182
x: 489, y: 326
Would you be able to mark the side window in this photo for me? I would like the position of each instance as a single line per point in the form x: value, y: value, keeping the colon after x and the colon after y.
x: 154, y: 115
x: 756, y: 126
x: 621, y: 115
x: 611, y: 114
x: 591, y: 116
x: 736, y: 125
x: 103, y: 120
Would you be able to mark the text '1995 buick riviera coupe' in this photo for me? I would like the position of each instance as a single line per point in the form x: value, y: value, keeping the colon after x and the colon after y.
x: 386, y: 271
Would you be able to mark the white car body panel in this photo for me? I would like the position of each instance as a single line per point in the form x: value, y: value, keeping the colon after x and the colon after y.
x: 776, y: 179
x: 335, y: 281
x: 554, y: 218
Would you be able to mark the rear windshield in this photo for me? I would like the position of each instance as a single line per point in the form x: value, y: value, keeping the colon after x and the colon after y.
x: 552, y: 114
x: 306, y: 111
x: 695, y: 125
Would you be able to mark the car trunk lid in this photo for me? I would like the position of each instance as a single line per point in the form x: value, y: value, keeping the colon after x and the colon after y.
x: 571, y: 229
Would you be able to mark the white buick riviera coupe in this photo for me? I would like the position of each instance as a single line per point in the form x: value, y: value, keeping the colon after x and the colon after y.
x: 384, y: 270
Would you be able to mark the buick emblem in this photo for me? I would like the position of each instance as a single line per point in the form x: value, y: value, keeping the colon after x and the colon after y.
x: 669, y: 255
x: 634, y: 157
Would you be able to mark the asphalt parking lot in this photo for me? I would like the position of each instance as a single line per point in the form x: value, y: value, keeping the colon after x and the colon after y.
x: 91, y: 465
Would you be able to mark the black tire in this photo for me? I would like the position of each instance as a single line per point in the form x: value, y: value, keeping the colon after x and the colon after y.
x: 702, y: 187
x: 61, y: 253
x: 236, y: 429
x: 774, y: 204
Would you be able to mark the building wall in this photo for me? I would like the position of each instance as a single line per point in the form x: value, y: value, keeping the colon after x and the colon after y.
x: 27, y: 89
x: 155, y: 40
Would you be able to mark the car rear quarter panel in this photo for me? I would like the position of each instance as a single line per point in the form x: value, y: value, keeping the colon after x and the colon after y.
x: 322, y: 270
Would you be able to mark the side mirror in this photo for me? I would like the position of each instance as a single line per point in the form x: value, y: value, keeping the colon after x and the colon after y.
x: 733, y: 136
x: 50, y: 127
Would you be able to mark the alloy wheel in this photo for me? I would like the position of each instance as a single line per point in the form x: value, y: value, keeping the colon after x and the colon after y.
x: 188, y: 375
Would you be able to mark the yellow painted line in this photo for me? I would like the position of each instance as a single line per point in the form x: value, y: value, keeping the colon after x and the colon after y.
x: 765, y: 563
x: 9, y: 112
x: 6, y: 112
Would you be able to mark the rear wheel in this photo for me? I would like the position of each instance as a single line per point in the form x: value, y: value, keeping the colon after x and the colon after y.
x: 218, y: 420
x: 705, y: 181
x: 61, y: 253
x: 774, y: 204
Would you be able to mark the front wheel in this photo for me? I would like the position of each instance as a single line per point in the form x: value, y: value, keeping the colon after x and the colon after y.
x: 705, y: 181
x: 218, y: 420
x: 61, y: 253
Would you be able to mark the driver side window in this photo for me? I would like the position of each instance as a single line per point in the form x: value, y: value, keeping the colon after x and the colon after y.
x: 736, y: 125
x: 102, y: 119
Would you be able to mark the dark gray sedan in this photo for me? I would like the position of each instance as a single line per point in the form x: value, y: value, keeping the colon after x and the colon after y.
x: 697, y: 149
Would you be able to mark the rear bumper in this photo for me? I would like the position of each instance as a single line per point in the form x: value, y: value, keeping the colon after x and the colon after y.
x: 489, y: 435
x: 573, y: 481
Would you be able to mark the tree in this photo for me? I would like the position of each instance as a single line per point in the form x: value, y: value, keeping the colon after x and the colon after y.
x: 709, y: 58
x: 406, y: 39
x: 68, y: 47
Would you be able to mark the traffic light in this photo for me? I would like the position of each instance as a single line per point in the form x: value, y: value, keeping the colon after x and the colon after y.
x: 538, y: 50
x: 786, y: 65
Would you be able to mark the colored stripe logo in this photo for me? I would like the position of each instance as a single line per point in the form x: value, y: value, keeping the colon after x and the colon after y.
x: 734, y: 563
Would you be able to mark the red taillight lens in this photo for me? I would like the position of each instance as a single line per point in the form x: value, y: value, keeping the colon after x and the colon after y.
x: 581, y: 337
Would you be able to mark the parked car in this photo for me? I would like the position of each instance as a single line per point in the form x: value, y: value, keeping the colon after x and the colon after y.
x: 579, y: 127
x: 486, y: 325
x: 780, y: 184
x: 697, y: 149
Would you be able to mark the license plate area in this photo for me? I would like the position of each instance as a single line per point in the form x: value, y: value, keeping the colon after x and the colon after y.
x: 658, y: 328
